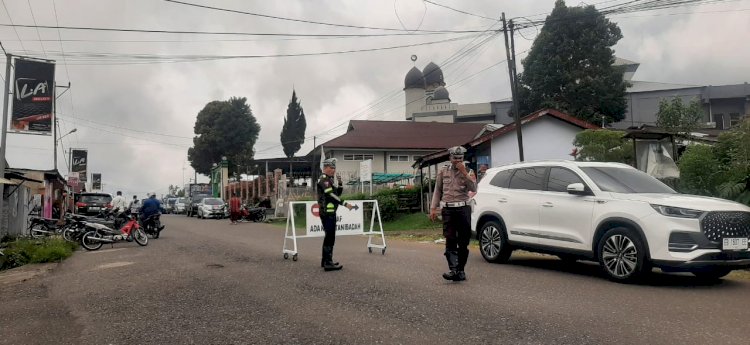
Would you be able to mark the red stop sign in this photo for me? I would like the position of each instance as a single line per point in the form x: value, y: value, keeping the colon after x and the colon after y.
x: 315, y: 210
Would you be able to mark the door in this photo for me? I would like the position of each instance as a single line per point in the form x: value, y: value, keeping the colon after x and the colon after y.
x: 522, y: 200
x: 565, y: 220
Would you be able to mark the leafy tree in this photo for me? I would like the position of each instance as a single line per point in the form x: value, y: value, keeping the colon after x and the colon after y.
x: 570, y: 67
x: 676, y: 117
x: 293, y: 132
x: 602, y: 145
x: 224, y: 128
x: 698, y: 173
x: 723, y: 170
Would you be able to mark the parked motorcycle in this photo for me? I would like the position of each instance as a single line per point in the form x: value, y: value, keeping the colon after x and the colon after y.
x: 152, y: 226
x: 99, y: 234
x: 42, y: 227
x: 75, y: 227
x: 253, y: 214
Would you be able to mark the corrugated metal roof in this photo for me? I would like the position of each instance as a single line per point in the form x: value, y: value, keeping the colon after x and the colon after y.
x: 645, y: 86
x: 404, y: 135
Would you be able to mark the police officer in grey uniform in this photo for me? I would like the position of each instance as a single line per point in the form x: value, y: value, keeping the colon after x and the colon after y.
x: 452, y: 187
x: 329, y: 199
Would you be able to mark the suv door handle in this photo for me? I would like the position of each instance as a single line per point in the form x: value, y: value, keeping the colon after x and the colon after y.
x: 502, y: 200
x: 548, y: 204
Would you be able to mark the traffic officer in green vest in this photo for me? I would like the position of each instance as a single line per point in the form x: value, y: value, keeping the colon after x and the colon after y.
x: 453, y: 184
x: 329, y: 199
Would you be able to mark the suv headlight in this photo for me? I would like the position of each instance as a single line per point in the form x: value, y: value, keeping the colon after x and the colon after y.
x: 678, y: 212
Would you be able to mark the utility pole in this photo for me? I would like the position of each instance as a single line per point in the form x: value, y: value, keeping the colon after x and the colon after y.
x: 312, y: 166
x: 4, y: 134
x: 513, y: 83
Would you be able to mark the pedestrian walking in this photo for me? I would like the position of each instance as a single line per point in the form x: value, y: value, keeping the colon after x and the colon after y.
x: 329, y: 199
x: 234, y: 208
x: 452, y: 187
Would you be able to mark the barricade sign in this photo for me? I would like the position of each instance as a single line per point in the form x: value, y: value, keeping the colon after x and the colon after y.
x: 348, y: 222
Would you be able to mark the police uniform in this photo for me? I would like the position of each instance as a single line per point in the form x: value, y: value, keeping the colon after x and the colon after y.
x: 452, y: 189
x: 329, y: 199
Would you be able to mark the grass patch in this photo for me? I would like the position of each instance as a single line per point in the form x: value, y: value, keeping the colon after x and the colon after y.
x: 413, y: 221
x: 30, y: 251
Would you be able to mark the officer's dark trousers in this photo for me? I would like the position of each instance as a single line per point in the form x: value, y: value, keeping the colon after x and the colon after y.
x: 457, y: 232
x: 329, y: 226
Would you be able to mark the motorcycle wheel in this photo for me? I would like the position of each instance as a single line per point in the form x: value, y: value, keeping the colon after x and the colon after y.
x: 38, y: 230
x: 91, y: 244
x: 157, y: 232
x: 140, y: 237
x: 69, y: 235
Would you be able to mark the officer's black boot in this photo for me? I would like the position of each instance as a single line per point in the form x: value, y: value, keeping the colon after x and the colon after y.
x: 328, y: 264
x: 452, y: 257
x: 323, y: 258
x: 463, y: 256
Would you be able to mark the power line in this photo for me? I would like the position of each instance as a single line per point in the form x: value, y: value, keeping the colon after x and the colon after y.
x: 37, y: 29
x: 188, y: 32
x: 10, y: 18
x: 129, y: 129
x: 306, y: 21
x: 87, y: 58
x: 459, y: 11
x: 123, y: 134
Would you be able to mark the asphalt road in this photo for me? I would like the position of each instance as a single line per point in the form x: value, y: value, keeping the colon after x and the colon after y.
x: 206, y: 282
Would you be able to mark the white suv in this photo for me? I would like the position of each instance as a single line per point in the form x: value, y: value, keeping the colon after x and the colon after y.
x: 619, y: 216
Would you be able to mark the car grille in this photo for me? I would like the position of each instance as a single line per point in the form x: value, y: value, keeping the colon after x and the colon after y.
x: 718, y: 225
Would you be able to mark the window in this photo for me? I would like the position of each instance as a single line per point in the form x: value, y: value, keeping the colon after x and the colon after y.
x: 734, y: 119
x: 398, y: 158
x: 625, y: 180
x: 560, y: 178
x: 528, y: 178
x: 501, y: 179
x: 358, y: 157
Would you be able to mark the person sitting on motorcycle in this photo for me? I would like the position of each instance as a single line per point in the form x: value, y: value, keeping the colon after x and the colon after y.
x: 151, y: 207
x: 119, y: 206
x: 135, y: 205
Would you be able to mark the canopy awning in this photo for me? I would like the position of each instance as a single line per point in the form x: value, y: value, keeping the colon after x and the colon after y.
x: 381, y: 178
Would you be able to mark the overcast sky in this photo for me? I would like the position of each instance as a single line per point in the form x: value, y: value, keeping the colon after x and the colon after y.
x: 114, y: 105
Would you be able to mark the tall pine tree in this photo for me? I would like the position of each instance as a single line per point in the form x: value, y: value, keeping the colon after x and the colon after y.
x: 293, y: 132
x: 570, y: 67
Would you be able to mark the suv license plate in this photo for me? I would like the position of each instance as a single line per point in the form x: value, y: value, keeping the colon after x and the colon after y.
x: 734, y: 244
x: 95, y: 208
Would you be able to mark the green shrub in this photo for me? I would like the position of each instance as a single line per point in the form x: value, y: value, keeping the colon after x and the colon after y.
x: 698, y: 171
x: 29, y: 251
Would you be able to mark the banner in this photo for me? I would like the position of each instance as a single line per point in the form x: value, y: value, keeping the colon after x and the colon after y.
x: 348, y: 222
x: 79, y: 163
x: 365, y: 171
x: 34, y: 92
x: 96, y: 183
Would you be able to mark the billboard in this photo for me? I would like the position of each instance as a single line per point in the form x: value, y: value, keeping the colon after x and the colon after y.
x: 33, y: 95
x: 96, y: 181
x: 79, y: 163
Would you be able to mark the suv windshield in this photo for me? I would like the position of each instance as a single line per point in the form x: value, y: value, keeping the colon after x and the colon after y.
x: 96, y: 199
x: 625, y: 180
x: 213, y: 201
x: 182, y: 200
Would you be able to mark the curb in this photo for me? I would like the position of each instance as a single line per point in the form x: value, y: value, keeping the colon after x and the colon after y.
x: 24, y: 273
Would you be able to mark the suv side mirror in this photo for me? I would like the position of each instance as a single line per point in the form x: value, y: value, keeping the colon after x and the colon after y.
x: 578, y: 189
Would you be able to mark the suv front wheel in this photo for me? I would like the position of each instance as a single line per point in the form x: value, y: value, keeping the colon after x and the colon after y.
x: 493, y: 243
x: 622, y: 255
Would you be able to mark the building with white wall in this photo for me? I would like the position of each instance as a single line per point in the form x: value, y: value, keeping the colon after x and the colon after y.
x: 724, y: 106
x: 393, y: 146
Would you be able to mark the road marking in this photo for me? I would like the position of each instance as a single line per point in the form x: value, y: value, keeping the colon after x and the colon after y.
x: 114, y: 265
x: 106, y: 251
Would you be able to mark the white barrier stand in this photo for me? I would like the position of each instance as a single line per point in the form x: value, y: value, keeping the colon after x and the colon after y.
x: 348, y: 222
